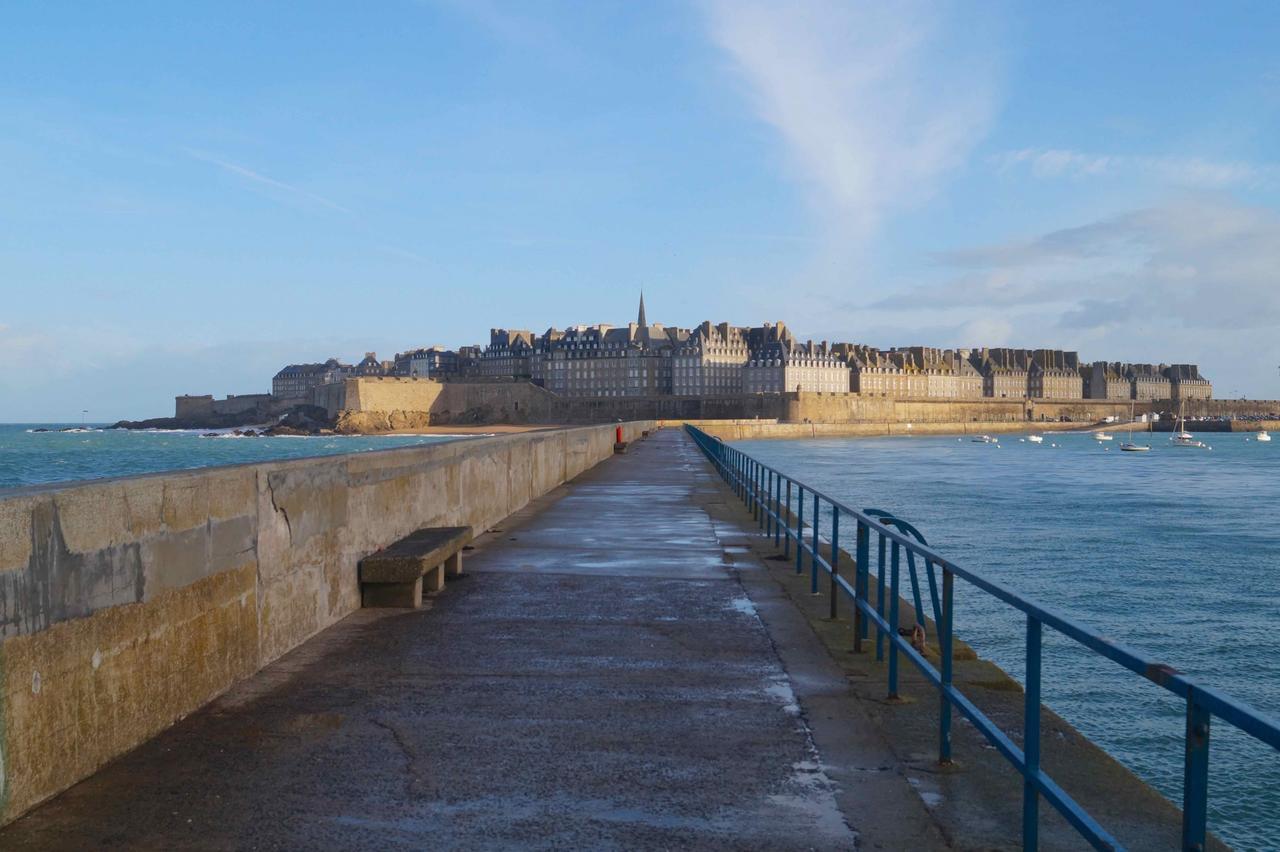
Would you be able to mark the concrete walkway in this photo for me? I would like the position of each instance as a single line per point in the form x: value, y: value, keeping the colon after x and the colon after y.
x: 615, y: 670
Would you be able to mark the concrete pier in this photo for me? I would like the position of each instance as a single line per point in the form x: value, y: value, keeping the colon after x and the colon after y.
x: 626, y: 663
x: 614, y: 669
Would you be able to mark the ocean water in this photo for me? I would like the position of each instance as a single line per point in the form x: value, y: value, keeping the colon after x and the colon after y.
x: 34, y: 458
x: 1175, y: 552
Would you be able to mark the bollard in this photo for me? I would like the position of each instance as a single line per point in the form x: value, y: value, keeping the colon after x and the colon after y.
x: 619, y: 445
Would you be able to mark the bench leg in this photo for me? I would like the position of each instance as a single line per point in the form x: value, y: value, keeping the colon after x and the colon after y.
x: 453, y: 565
x: 433, y: 580
x: 402, y: 595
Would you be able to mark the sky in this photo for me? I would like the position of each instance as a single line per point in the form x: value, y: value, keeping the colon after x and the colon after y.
x: 193, y: 195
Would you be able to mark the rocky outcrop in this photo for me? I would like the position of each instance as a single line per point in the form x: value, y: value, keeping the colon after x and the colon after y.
x: 302, y: 419
x: 373, y: 422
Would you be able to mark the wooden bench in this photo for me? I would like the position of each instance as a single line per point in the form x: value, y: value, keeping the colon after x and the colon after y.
x: 395, y: 575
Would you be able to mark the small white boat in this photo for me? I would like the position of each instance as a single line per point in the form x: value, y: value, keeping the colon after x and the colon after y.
x: 1262, y: 436
x: 1102, y: 436
x: 1036, y: 439
x: 1183, y: 438
x: 1129, y: 446
x: 984, y: 439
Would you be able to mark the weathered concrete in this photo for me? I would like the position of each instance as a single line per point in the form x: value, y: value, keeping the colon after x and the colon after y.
x: 127, y: 604
x: 626, y: 665
x: 600, y: 678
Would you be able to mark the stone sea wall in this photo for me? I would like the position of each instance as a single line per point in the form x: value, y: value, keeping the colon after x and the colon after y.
x: 126, y: 604
x: 747, y: 430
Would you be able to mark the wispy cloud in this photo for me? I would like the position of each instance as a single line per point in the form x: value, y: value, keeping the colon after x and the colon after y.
x: 1194, y: 172
x: 1193, y: 278
x: 289, y: 189
x: 404, y: 254
x: 876, y: 102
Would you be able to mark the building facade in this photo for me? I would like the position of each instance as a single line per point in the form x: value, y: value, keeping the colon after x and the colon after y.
x: 1105, y: 380
x: 783, y: 366
x: 509, y: 354
x: 1185, y: 382
x: 434, y: 362
x: 711, y: 361
x: 1005, y: 372
x: 1054, y: 374
x: 296, y: 381
x: 1148, y: 382
x: 873, y: 373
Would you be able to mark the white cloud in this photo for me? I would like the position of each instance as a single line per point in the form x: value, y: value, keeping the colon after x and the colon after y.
x: 876, y: 102
x: 1190, y: 280
x: 263, y: 180
x: 1191, y: 172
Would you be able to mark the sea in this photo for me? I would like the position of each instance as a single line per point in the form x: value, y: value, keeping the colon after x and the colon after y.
x: 1175, y: 551
x: 29, y: 456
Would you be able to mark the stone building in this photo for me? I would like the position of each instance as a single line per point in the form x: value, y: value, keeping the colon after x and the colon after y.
x: 603, y: 361
x: 782, y: 365
x: 1185, y: 382
x: 1148, y: 382
x: 1005, y: 372
x: 873, y: 373
x: 938, y: 373
x: 371, y: 367
x: 1054, y: 374
x: 710, y: 361
x: 1105, y: 380
x: 434, y: 362
x: 296, y: 380
x: 509, y: 354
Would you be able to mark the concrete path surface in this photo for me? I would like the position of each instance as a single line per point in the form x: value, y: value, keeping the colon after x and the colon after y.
x: 615, y: 670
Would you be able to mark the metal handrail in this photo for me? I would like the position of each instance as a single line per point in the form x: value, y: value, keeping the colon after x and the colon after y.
x: 761, y: 487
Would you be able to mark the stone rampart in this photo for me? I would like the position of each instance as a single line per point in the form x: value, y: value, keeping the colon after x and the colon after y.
x: 126, y: 604
x: 746, y: 430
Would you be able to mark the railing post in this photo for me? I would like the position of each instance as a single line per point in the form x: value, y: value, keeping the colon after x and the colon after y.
x: 799, y: 528
x: 755, y: 489
x: 768, y: 503
x: 1031, y: 740
x: 893, y: 622
x: 860, y: 572
x: 880, y: 571
x: 1195, y: 775
x: 786, y: 541
x: 946, y: 651
x: 762, y: 499
x: 835, y: 558
x: 777, y: 510
x: 813, y: 557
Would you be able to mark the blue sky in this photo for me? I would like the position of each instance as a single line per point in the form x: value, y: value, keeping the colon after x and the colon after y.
x: 192, y: 195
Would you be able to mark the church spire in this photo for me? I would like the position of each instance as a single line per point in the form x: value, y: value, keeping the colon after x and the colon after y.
x: 640, y: 321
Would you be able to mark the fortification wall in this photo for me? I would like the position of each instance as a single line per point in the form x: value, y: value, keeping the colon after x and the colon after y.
x: 853, y: 408
x: 454, y: 403
x: 745, y: 430
x: 127, y: 604
x: 193, y: 407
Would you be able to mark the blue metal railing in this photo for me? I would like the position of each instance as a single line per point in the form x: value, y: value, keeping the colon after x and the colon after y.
x: 768, y: 493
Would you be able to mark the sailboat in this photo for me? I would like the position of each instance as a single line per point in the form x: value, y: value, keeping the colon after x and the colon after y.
x: 1129, y: 446
x: 1181, y: 437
